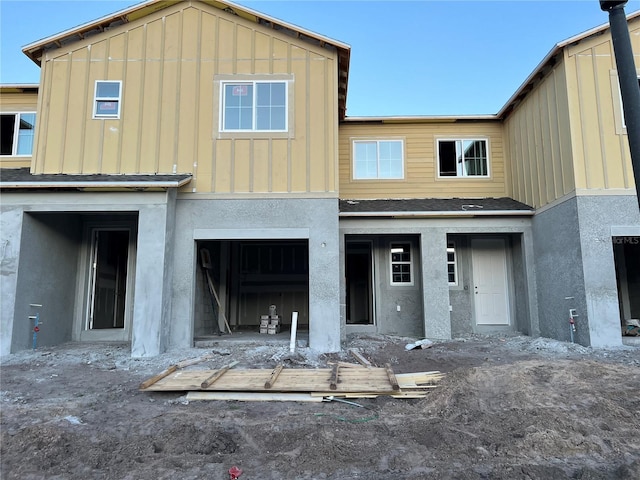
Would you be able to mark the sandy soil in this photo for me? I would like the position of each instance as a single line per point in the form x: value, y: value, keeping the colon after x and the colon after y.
x: 509, y: 408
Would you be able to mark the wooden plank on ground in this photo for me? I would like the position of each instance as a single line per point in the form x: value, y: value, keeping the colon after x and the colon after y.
x: 254, y: 396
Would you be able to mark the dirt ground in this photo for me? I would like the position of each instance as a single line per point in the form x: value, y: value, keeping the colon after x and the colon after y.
x: 509, y: 407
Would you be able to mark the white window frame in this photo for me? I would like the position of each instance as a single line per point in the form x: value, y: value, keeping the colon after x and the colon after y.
x: 254, y: 84
x: 624, y: 122
x: 409, y: 262
x: 461, y: 170
x: 377, y: 142
x: 16, y: 133
x: 451, y: 248
x: 117, y: 100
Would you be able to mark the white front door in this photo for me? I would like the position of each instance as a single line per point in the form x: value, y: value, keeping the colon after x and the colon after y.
x: 490, y: 288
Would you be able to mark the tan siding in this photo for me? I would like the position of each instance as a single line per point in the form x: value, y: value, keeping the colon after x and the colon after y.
x: 420, y: 178
x: 260, y: 166
x: 18, y: 102
x: 602, y: 158
x: 537, y: 133
x: 168, y: 62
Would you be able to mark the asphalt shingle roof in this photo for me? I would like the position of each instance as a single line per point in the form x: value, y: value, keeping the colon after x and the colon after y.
x: 417, y: 205
x: 22, y: 178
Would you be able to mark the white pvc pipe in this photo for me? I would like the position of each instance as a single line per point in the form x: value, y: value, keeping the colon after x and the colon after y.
x: 294, y: 328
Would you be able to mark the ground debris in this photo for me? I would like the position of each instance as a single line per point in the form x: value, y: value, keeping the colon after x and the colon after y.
x: 507, y: 407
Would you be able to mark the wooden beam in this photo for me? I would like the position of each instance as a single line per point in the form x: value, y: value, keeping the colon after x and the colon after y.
x: 333, y: 380
x: 360, y: 357
x: 212, y: 378
x: 274, y: 376
x: 392, y: 377
x: 173, y: 368
x: 160, y: 376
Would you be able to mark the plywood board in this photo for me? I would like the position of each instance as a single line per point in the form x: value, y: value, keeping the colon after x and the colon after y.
x: 358, y: 381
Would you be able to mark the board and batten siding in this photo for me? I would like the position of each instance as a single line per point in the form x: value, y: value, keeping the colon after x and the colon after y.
x: 538, y: 143
x: 420, y: 161
x: 15, y: 102
x: 600, y: 146
x: 168, y: 62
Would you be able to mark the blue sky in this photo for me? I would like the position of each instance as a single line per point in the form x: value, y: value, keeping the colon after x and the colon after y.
x: 419, y: 57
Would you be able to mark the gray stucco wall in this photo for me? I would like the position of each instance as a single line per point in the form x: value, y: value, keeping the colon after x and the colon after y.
x: 558, y: 253
x: 598, y: 214
x: 152, y: 304
x: 226, y: 219
x: 10, y: 235
x: 460, y: 295
x: 408, y: 321
x: 49, y: 251
x: 521, y: 315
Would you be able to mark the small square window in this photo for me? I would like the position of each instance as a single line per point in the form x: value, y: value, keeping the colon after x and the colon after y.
x: 107, y: 99
x: 401, y: 264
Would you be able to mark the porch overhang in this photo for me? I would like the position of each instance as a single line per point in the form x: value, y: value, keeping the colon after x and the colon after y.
x: 23, y: 179
x: 434, y: 207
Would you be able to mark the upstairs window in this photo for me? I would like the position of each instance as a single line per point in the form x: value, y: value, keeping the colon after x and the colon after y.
x: 463, y: 158
x: 378, y: 159
x: 107, y: 99
x: 16, y: 133
x: 401, y: 264
x: 256, y: 106
x: 624, y: 122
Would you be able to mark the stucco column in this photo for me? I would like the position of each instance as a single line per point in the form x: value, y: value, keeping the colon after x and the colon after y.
x: 530, y: 282
x: 324, y: 287
x: 10, y: 231
x: 435, y: 287
x: 152, y: 296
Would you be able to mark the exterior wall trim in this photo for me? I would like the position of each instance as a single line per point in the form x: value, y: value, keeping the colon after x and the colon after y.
x: 491, y: 213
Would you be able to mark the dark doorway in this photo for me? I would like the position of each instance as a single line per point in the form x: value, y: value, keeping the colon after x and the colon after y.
x: 110, y: 255
x: 626, y: 254
x: 359, y: 283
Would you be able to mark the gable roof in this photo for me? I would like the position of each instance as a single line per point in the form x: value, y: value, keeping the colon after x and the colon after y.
x: 548, y: 62
x: 36, y: 49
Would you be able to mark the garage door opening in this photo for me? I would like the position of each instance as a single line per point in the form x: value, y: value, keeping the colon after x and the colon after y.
x: 241, y: 281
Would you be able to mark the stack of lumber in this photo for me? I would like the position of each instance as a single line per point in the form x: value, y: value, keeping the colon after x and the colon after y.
x: 341, y: 380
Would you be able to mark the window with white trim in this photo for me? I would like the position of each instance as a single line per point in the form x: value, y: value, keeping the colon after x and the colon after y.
x: 107, y: 98
x: 401, y: 264
x: 17, y: 133
x: 463, y: 158
x: 624, y: 122
x: 254, y: 106
x: 378, y: 159
x: 452, y: 264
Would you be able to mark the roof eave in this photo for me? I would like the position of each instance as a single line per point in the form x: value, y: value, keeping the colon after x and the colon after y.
x: 527, y: 84
x: 440, y: 213
x: 97, y: 185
